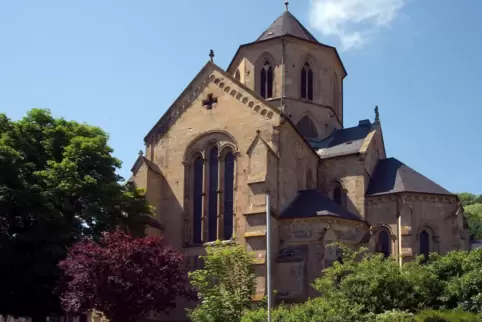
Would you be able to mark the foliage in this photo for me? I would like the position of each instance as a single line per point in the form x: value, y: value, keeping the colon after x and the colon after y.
x: 447, y: 316
x: 124, y: 277
x: 317, y: 309
x: 459, y: 273
x: 384, y: 286
x: 473, y: 212
x: 468, y: 199
x: 226, y: 284
x: 58, y: 184
x: 367, y: 287
x: 395, y: 316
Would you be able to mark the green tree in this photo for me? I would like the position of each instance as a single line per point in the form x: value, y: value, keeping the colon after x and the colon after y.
x: 468, y: 198
x: 225, y: 286
x: 473, y: 213
x: 459, y: 273
x: 58, y: 184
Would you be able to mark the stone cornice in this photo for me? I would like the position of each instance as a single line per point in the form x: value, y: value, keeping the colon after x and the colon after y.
x: 411, y: 197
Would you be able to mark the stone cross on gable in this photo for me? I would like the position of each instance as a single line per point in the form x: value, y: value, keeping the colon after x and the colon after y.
x: 210, y: 101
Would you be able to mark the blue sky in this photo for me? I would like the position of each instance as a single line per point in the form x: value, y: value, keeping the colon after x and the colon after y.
x: 119, y: 64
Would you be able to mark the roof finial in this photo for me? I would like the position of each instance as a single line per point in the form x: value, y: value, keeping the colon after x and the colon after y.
x: 141, y: 153
x: 211, y: 55
x: 287, y: 3
x: 377, y: 115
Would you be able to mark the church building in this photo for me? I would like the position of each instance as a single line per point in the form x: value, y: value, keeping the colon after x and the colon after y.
x: 273, y: 122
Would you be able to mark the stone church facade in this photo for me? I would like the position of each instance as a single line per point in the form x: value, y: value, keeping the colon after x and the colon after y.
x: 274, y: 121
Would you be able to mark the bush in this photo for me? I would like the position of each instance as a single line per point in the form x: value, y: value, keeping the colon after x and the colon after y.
x: 447, y: 316
x: 317, y: 309
x: 378, y: 284
x: 395, y: 316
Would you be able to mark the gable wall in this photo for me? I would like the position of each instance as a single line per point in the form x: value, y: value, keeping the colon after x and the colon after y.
x: 229, y: 115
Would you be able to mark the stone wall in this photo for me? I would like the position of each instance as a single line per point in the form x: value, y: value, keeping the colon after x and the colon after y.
x: 327, y: 69
x: 305, y: 250
x: 435, y: 214
x: 298, y: 163
x: 350, y: 172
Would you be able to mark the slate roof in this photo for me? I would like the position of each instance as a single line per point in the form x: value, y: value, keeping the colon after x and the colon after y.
x: 151, y: 165
x: 392, y: 176
x: 342, y: 142
x: 287, y: 24
x: 312, y: 203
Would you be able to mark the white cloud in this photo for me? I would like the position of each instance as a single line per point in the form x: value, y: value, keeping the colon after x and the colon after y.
x: 353, y: 21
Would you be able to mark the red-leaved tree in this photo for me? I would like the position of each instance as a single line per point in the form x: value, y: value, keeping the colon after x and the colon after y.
x: 123, y: 277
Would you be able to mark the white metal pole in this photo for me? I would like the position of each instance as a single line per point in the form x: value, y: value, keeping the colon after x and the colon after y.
x: 400, y: 255
x: 268, y: 254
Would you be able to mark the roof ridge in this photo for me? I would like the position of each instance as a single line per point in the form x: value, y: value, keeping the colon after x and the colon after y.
x: 302, y: 27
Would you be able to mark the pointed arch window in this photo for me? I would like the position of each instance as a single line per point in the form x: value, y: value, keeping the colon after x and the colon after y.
x: 228, y: 196
x: 424, y: 244
x: 307, y: 82
x: 213, y: 194
x: 307, y: 127
x: 198, y: 199
x: 266, y: 80
x: 383, y: 243
x: 337, y: 195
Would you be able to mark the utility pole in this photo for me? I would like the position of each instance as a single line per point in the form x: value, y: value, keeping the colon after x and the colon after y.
x: 268, y: 253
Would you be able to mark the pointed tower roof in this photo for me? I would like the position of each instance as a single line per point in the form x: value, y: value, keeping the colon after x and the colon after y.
x: 287, y: 24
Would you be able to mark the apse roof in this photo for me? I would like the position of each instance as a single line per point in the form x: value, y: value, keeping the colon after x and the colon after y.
x: 392, y: 176
x: 312, y: 203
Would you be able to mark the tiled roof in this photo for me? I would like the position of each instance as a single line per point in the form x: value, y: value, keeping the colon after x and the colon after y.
x: 312, y: 203
x: 342, y: 142
x: 287, y: 24
x: 392, y: 175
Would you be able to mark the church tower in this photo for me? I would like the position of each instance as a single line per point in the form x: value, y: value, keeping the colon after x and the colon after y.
x: 291, y: 69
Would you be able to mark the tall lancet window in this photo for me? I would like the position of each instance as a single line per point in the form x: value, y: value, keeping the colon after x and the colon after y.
x: 228, y: 195
x: 307, y: 82
x: 198, y: 199
x: 213, y: 194
x: 424, y: 244
x: 267, y: 80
